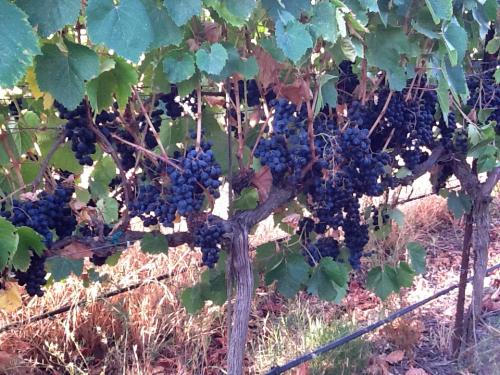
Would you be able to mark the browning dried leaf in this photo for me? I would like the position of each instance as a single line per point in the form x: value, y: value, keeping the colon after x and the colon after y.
x: 263, y: 181
x: 269, y: 68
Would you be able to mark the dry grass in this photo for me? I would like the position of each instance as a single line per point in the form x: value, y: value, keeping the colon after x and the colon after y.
x: 146, y: 331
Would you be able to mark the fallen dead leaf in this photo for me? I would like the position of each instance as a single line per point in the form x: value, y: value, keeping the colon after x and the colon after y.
x: 10, y: 298
x: 394, y: 357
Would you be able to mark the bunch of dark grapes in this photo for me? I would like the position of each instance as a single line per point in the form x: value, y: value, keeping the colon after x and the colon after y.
x: 322, y: 248
x: 347, y: 82
x: 461, y: 142
x: 447, y: 130
x: 34, y: 277
x: 196, y: 172
x: 413, y: 156
x: 169, y: 104
x: 152, y: 207
x: 106, y: 124
x: 356, y: 233
x: 50, y: 211
x: 485, y: 92
x: 89, y: 231
x: 274, y: 153
x: 209, y: 238
x: 362, y: 116
x: 379, y: 218
x: 77, y: 129
x: 252, y: 94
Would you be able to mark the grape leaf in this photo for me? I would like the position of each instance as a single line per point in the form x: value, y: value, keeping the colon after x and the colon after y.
x: 16, y: 53
x: 405, y: 274
x: 294, y: 7
x: 118, y: 80
x: 60, y: 268
x: 10, y: 298
x: 192, y: 299
x: 125, y: 27
x: 293, y: 38
x: 50, y: 15
x: 63, y: 74
x: 109, y: 209
x: 324, y: 22
x: 179, y: 66
x: 9, y: 240
x: 247, y: 200
x: 440, y: 9
x: 417, y: 256
x: 328, y: 278
x: 104, y: 171
x: 29, y: 240
x: 154, y: 243
x: 291, y: 273
x: 211, y: 60
x: 455, y: 39
x: 382, y: 281
x: 165, y: 31
x: 182, y: 11
x: 459, y: 204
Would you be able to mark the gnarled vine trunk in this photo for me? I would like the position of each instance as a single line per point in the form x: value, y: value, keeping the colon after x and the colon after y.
x: 244, y: 287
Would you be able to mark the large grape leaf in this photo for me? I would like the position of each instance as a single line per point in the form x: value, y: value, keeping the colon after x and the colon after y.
x: 455, y: 39
x: 154, y: 243
x: 182, y: 11
x: 291, y: 273
x: 292, y: 38
x: 104, y: 171
x: 235, y: 12
x: 29, y: 240
x: 50, y: 15
x: 118, y: 81
x: 179, y: 66
x: 417, y: 256
x: 324, y: 22
x: 18, y: 44
x: 165, y: 31
x: 212, y: 60
x: 294, y: 7
x: 328, y: 281
x: 382, y: 281
x: 9, y: 239
x: 60, y: 267
x: 235, y: 64
x: 125, y: 28
x: 440, y: 9
x: 63, y: 74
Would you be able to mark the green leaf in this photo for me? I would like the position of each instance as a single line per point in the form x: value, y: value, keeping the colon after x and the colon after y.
x: 235, y: 12
x: 29, y: 240
x: 247, y: 200
x: 490, y: 9
x: 403, y: 172
x: 455, y: 77
x: 154, y: 243
x: 179, y: 66
x: 104, y: 171
x: 324, y: 22
x: 18, y: 44
x: 493, y: 45
x: 486, y: 163
x: 295, y: 7
x: 327, y: 93
x: 125, y: 27
x: 112, y: 260
x: 293, y: 39
x: 382, y: 282
x: 211, y: 60
x: 459, y: 204
x: 235, y: 64
x: 63, y: 74
x: 455, y: 39
x: 50, y: 15
x: 183, y: 11
x: 440, y: 9
x: 405, y: 275
x: 60, y: 268
x: 118, y: 81
x: 192, y: 299
x: 417, y: 256
x: 425, y: 25
x: 165, y: 31
x: 398, y: 216
x: 108, y: 207
x: 267, y: 258
x: 9, y: 240
x: 65, y: 159
x: 443, y: 95
x: 291, y: 273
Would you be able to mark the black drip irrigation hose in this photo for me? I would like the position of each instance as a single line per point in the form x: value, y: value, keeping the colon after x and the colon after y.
x: 66, y: 308
x: 360, y: 332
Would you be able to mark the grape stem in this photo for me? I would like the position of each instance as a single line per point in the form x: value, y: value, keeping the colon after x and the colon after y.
x: 15, y: 163
x: 362, y: 84
x: 381, y: 114
x: 198, y: 118
x: 150, y: 124
x: 45, y: 163
x: 239, y: 154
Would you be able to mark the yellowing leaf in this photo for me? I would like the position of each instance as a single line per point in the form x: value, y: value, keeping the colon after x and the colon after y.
x: 48, y: 101
x: 32, y: 84
x: 10, y: 299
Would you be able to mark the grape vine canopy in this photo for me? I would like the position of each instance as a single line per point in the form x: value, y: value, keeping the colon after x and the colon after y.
x: 145, y: 114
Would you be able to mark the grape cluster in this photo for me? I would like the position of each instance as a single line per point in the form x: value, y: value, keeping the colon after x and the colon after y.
x: 209, y: 238
x: 322, y: 248
x: 152, y: 207
x: 379, y: 217
x: 88, y: 231
x: 105, y: 121
x: 193, y: 174
x: 34, y: 277
x: 49, y: 212
x: 461, y: 142
x: 77, y: 129
x: 447, y: 130
x: 252, y: 94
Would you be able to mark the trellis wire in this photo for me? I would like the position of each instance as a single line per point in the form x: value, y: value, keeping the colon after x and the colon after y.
x: 362, y: 331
